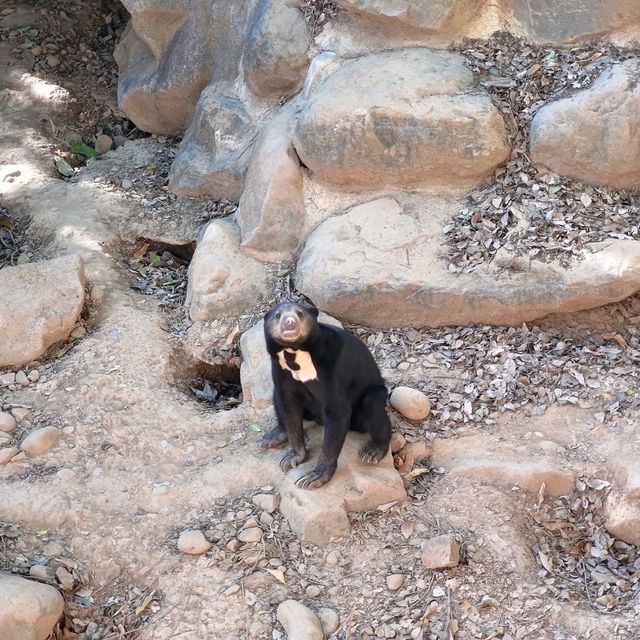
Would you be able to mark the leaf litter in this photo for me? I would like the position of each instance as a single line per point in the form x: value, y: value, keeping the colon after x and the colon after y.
x: 525, y: 209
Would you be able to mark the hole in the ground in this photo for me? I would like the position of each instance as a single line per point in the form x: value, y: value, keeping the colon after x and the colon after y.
x: 216, y: 385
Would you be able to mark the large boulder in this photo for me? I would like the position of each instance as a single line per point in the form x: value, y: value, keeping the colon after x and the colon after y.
x: 221, y: 279
x: 567, y: 20
x: 394, y: 275
x: 28, y: 609
x: 402, y: 118
x: 594, y: 135
x: 271, y: 209
x: 41, y: 303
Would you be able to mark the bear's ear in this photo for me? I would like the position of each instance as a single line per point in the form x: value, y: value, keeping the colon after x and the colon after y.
x: 312, y: 310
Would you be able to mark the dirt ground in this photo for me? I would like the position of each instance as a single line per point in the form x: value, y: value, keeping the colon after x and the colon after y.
x: 142, y: 456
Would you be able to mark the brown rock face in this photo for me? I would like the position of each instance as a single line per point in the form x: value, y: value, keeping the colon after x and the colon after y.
x: 393, y: 276
x: 41, y: 303
x: 594, y: 134
x: 400, y: 119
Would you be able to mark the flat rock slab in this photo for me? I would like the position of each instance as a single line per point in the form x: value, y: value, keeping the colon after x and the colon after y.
x: 402, y: 118
x: 255, y: 370
x: 320, y: 515
x: 594, y: 134
x: 377, y: 265
x: 28, y: 609
x: 41, y: 302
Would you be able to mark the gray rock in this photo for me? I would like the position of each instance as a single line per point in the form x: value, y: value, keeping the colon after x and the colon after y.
x: 255, y: 370
x: 403, y: 118
x: 299, y: 622
x: 28, y: 609
x: 271, y: 210
x: 40, y: 441
x: 216, y: 149
x: 41, y: 303
x: 103, y: 144
x: 221, y: 279
x: 593, y: 135
x: 276, y: 60
x: 394, y: 276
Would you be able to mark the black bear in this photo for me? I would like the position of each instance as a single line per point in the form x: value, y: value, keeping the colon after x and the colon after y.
x: 325, y: 374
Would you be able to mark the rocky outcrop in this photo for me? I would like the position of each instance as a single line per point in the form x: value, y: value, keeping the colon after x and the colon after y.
x: 271, y: 209
x: 255, y: 371
x: 404, y: 118
x: 41, y: 303
x: 594, y: 135
x: 320, y: 515
x: 394, y: 277
x: 221, y: 279
x: 28, y: 609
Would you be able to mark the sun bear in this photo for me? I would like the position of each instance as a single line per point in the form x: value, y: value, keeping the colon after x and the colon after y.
x: 327, y: 375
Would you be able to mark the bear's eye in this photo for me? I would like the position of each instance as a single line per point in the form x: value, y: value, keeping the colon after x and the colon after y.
x: 299, y: 314
x: 278, y: 315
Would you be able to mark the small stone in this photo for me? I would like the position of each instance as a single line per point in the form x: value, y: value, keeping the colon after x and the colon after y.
x: 250, y: 523
x: 333, y: 558
x: 65, y: 578
x: 233, y: 545
x: 7, y: 422
x: 53, y: 60
x: 397, y: 442
x: 232, y: 590
x: 250, y: 535
x: 5, y: 439
x: 21, y: 379
x: 266, y: 501
x: 39, y: 571
x: 441, y: 552
x: 395, y: 581
x: 313, y: 591
x: 7, y: 378
x: 20, y: 413
x: 411, y: 403
x: 329, y: 619
x: 36, y: 50
x: 91, y: 630
x: 118, y: 141
x: 8, y: 454
x: 403, y: 366
x: 79, y: 332
x: 40, y: 441
x: 34, y: 375
x: 66, y: 474
x: 193, y: 542
x: 126, y: 183
x: 103, y: 144
x: 266, y: 519
x: 53, y: 549
x: 299, y: 622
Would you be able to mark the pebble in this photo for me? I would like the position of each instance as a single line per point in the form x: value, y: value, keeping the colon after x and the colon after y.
x: 103, y: 144
x: 266, y: 519
x: 329, y: 620
x: 118, y: 141
x: 232, y: 590
x: 66, y: 474
x: 53, y: 549
x: 250, y: 523
x: 21, y: 379
x: 395, y: 581
x: 40, y: 441
x: 403, y: 366
x: 5, y: 439
x: 266, y: 501
x: 333, y: 558
x: 36, y: 50
x: 20, y: 413
x: 38, y: 571
x: 411, y: 403
x: 193, y: 542
x: 65, y: 578
x: 34, y: 375
x: 7, y: 378
x: 299, y: 622
x: 7, y: 422
x: 126, y: 183
x: 313, y: 590
x: 397, y: 442
x: 79, y: 332
x: 53, y: 60
x: 8, y: 454
x: 233, y: 545
x: 441, y: 552
x: 250, y: 535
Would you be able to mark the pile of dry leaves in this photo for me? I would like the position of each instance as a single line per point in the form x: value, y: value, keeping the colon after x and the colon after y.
x: 524, y: 209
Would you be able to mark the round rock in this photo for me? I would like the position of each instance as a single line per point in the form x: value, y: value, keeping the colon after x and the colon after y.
x: 250, y: 535
x: 103, y: 144
x: 329, y: 619
x: 28, y: 610
x: 299, y: 622
x: 40, y: 441
x: 395, y: 581
x: 397, y: 442
x: 8, y: 454
x: 193, y: 542
x: 411, y: 403
x: 7, y: 422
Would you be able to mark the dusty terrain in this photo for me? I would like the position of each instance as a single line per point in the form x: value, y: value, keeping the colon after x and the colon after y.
x: 143, y: 457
